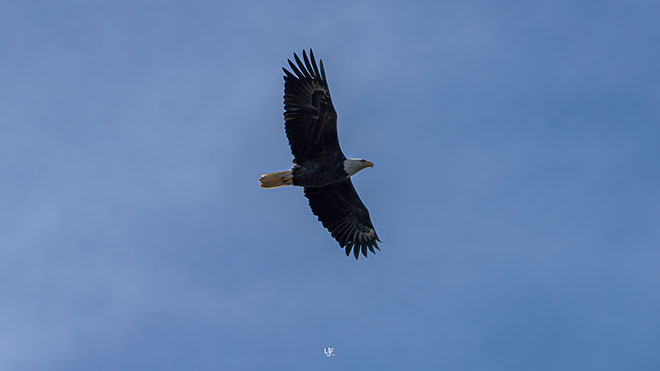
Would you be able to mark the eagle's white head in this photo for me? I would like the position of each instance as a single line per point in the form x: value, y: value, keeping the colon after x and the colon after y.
x: 353, y: 165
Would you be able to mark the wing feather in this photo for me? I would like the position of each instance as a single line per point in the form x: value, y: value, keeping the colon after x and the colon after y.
x: 322, y: 70
x: 309, y: 115
x: 307, y: 64
x: 295, y: 69
x: 340, y: 210
x: 316, y: 68
x: 302, y: 66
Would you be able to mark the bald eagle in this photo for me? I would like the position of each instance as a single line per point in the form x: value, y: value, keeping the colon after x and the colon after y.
x: 320, y: 167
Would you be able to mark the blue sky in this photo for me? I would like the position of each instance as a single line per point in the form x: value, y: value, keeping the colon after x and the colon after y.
x: 515, y: 187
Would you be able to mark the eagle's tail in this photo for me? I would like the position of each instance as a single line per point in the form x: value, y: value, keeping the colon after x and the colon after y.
x: 276, y: 179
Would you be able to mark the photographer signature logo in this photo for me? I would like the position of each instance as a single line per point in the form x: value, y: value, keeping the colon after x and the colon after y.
x: 329, y: 352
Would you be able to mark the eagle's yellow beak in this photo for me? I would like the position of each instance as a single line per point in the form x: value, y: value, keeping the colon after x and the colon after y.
x: 369, y: 164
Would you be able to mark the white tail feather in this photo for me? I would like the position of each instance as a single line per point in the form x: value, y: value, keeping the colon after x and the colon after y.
x: 276, y: 179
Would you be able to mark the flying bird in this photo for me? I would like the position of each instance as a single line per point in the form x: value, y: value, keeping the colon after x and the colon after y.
x: 320, y: 167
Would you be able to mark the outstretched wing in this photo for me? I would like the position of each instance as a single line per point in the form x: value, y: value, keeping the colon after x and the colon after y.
x: 310, y: 119
x: 341, y: 211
